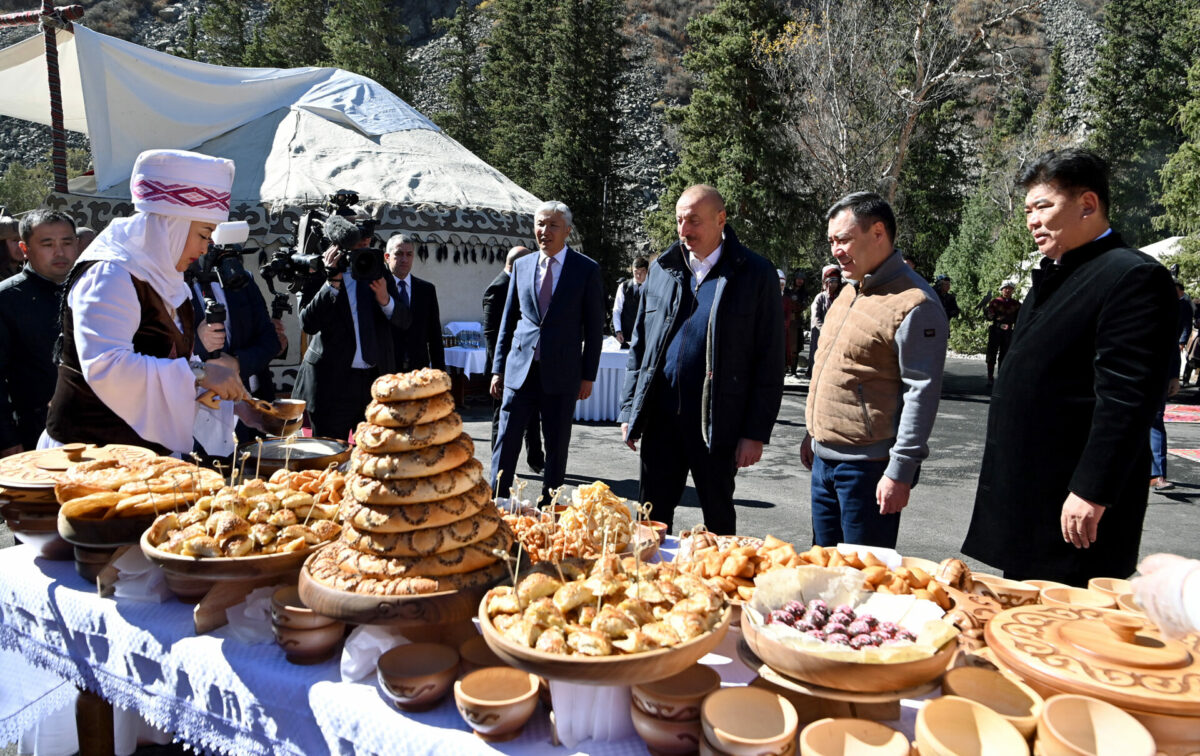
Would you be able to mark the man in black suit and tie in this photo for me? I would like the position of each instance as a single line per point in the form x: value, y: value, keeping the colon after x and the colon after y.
x: 420, y: 344
x: 494, y: 297
x: 351, y: 323
x: 549, y: 346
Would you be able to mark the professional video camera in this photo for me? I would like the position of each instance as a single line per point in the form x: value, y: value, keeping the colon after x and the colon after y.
x: 320, y: 227
x: 222, y: 262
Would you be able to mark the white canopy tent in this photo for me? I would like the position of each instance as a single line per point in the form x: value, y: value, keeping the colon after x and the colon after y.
x: 1164, y: 247
x: 295, y: 136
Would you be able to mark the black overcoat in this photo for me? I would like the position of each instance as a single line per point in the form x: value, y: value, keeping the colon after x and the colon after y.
x: 1071, y: 411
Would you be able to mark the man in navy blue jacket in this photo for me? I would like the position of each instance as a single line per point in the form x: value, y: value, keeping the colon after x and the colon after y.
x: 549, y: 346
x: 705, y: 374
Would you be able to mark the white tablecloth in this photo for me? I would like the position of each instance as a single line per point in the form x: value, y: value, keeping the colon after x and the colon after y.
x: 470, y: 361
x: 605, y: 401
x: 454, y: 326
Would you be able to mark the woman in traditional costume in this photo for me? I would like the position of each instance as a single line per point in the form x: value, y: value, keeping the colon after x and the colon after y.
x: 124, y: 373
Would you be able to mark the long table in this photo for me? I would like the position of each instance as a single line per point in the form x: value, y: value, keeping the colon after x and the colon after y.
x: 605, y: 402
x: 220, y: 695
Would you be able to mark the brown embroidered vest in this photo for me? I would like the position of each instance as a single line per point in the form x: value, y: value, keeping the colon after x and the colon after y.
x: 76, y: 413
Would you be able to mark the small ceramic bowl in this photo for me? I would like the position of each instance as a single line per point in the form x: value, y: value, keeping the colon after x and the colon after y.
x: 749, y: 721
x: 677, y: 697
x: 474, y: 653
x: 1009, y: 593
x: 1110, y: 586
x: 667, y: 736
x: 660, y: 529
x: 1013, y: 700
x: 1077, y: 725
x: 1127, y: 603
x: 1077, y: 597
x: 289, y: 610
x: 416, y: 676
x: 312, y: 645
x: 851, y: 737
x: 1043, y: 584
x: 496, y: 701
x: 953, y: 726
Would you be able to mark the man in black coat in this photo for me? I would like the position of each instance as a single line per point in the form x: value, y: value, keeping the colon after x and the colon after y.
x: 705, y: 374
x: 420, y: 344
x: 29, y: 303
x: 352, y: 345
x: 494, y: 298
x: 1062, y: 491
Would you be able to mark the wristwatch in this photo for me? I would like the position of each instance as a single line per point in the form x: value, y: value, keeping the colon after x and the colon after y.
x: 198, y: 370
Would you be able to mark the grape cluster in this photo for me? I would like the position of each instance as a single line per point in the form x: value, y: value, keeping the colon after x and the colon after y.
x: 840, y: 626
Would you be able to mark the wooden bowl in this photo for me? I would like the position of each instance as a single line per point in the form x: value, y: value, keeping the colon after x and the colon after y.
x: 1011, y: 699
x: 312, y: 645
x: 1110, y: 586
x: 623, y: 669
x: 416, y: 611
x: 496, y: 701
x: 226, y: 568
x: 1127, y: 603
x: 474, y: 653
x: 667, y: 736
x: 677, y: 697
x: 851, y: 737
x: 1008, y: 593
x: 844, y: 675
x: 1077, y: 597
x: 747, y: 721
x: 288, y: 610
x: 660, y: 528
x: 953, y: 726
x: 1076, y: 725
x: 416, y: 676
x: 110, y: 533
x: 1042, y: 584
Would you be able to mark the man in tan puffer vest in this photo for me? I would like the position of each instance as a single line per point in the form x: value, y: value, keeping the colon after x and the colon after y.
x: 876, y: 382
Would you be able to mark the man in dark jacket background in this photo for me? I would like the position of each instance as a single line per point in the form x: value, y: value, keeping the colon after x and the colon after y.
x: 705, y: 372
x: 1062, y: 491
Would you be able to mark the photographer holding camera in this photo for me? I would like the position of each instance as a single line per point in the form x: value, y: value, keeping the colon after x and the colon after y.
x: 233, y: 329
x: 351, y: 318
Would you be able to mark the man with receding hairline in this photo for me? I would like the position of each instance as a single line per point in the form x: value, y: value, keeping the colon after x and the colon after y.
x: 705, y: 374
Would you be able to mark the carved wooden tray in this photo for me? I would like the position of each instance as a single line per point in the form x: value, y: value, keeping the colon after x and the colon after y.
x: 1110, y: 655
x: 226, y: 568
x: 38, y: 469
x: 622, y: 669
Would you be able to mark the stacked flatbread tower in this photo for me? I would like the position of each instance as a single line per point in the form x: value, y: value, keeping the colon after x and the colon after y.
x: 418, y: 515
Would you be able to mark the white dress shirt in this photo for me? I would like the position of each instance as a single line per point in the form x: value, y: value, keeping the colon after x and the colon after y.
x: 701, y: 268
x: 544, y: 260
x: 619, y: 304
x: 390, y: 307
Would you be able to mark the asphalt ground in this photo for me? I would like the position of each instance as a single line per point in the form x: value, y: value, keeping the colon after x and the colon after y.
x: 773, y: 496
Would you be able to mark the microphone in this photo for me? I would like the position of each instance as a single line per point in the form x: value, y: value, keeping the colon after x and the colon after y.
x: 342, y: 233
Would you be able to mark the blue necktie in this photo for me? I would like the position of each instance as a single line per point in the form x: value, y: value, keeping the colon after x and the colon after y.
x: 364, y: 302
x: 404, y: 292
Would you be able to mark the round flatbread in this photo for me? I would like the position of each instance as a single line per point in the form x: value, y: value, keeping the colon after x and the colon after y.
x: 453, y: 562
x: 416, y: 490
x: 427, y: 541
x: 404, y: 387
x: 369, y: 518
x: 334, y: 566
x: 416, y: 412
x: 379, y: 439
x: 419, y: 463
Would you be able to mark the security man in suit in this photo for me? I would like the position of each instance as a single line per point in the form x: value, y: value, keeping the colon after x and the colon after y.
x: 352, y: 345
x: 420, y: 344
x: 494, y: 297
x: 625, y: 304
x: 549, y: 347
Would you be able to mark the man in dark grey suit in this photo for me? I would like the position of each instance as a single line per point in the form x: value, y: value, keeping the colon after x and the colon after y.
x: 555, y: 303
x: 494, y: 297
x: 420, y: 344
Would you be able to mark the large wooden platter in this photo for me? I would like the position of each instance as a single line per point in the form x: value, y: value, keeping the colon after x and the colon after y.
x: 773, y: 676
x: 824, y: 672
x: 38, y: 469
x: 442, y: 608
x: 226, y: 568
x: 1109, y: 655
x: 103, y: 534
x: 624, y: 669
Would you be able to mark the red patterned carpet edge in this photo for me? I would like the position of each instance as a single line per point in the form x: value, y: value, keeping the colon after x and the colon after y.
x: 1182, y: 413
x: 1192, y: 454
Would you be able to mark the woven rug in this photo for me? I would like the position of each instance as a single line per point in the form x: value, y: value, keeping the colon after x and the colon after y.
x: 1192, y: 454
x: 1182, y: 413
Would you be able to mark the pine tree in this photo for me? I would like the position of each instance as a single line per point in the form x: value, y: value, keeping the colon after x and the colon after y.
x: 1140, y: 79
x: 515, y: 78
x: 291, y: 36
x: 193, y: 41
x: 465, y: 119
x: 577, y: 160
x: 224, y: 25
x: 725, y: 131
x: 366, y: 37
